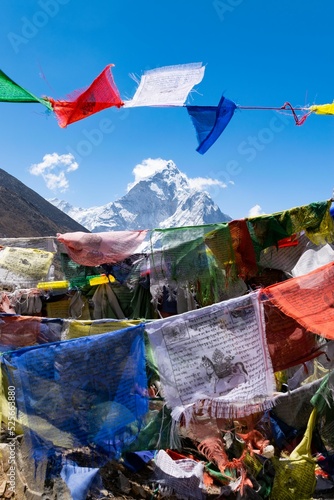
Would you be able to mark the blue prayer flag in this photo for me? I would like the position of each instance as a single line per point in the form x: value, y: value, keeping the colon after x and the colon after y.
x: 78, y: 479
x: 211, y: 121
x: 90, y: 391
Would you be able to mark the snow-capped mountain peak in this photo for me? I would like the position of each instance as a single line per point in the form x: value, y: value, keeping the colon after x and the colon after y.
x: 160, y: 200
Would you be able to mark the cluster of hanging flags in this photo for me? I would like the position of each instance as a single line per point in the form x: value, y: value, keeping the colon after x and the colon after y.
x: 161, y: 87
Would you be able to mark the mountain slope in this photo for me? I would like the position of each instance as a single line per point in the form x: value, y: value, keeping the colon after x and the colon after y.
x: 165, y: 199
x: 24, y: 213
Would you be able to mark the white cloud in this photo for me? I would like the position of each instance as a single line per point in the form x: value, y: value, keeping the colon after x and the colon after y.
x: 204, y: 182
x: 147, y: 168
x: 53, y: 169
x: 255, y: 211
x: 150, y: 166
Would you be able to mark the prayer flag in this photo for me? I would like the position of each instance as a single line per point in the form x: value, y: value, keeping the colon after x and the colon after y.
x: 215, y: 359
x: 89, y: 391
x: 289, y: 343
x: 295, y: 476
x: 211, y: 121
x: 309, y: 299
x: 314, y: 219
x: 12, y: 92
x: 90, y: 249
x: 322, y: 109
x: 167, y: 86
x: 180, y: 258
x: 24, y: 266
x: 21, y: 331
x: 101, y: 94
x: 78, y: 479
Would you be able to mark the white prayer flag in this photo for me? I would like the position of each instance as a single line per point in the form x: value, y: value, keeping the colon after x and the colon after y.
x: 183, y: 476
x: 215, y: 359
x: 167, y: 86
x: 313, y: 258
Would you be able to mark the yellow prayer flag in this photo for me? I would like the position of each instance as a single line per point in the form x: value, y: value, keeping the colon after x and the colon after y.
x: 323, y: 109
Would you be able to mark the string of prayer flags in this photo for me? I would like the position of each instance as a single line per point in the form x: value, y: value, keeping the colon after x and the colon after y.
x: 12, y: 92
x: 314, y: 219
x: 167, y: 86
x: 210, y: 122
x: 101, y: 94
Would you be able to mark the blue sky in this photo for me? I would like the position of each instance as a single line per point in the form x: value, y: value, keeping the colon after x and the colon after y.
x: 258, y: 53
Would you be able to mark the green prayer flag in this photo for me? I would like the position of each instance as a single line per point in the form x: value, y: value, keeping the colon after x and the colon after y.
x: 12, y: 92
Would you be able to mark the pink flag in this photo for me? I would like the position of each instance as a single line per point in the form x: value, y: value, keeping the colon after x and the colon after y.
x: 94, y: 249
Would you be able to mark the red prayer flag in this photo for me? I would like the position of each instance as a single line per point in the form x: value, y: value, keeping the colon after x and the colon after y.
x: 244, y: 252
x: 289, y: 342
x: 290, y: 241
x: 101, y: 94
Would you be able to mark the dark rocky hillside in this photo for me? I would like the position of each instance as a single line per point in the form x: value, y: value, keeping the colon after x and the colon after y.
x: 24, y: 213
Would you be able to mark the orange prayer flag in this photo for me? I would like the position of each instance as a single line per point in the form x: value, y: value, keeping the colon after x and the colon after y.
x: 309, y: 299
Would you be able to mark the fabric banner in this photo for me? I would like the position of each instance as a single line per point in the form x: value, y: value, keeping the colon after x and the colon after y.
x: 24, y: 267
x: 285, y: 258
x: 184, y: 477
x: 245, y: 257
x: 12, y: 92
x: 78, y: 479
x: 94, y: 249
x: 22, y: 331
x: 215, y: 359
x: 309, y: 299
x: 322, y: 109
x: 289, y: 343
x: 294, y: 407
x: 101, y: 94
x: 232, y: 246
x: 313, y: 258
x: 32, y: 263
x: 83, y: 392
x: 220, y: 243
x: 167, y: 86
x: 295, y: 476
x: 210, y: 122
x: 314, y: 219
x: 180, y: 258
x: 315, y: 368
x: 78, y: 328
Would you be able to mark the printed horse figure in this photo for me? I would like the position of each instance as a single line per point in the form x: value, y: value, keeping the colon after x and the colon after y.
x: 223, y: 372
